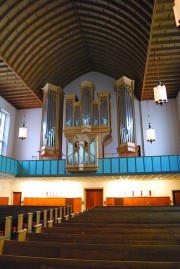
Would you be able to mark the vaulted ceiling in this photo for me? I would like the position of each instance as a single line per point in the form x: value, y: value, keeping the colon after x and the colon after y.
x: 56, y: 41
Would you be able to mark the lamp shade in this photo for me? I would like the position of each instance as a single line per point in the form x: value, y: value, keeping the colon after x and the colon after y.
x: 150, y: 134
x: 177, y: 12
x: 160, y: 95
x: 23, y: 132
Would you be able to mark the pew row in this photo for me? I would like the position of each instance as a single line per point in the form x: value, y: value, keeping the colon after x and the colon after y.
x: 135, y: 239
x: 11, y: 262
x: 93, y: 251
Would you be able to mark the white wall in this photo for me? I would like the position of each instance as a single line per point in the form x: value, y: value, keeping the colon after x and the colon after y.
x: 68, y: 188
x: 24, y: 150
x: 178, y: 105
x: 167, y: 129
x: 12, y: 112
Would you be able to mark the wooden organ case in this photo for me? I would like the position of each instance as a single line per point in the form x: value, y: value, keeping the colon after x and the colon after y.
x: 51, y: 123
x: 124, y: 88
x: 87, y: 128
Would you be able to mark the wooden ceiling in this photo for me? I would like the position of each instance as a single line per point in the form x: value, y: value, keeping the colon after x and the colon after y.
x: 56, y: 41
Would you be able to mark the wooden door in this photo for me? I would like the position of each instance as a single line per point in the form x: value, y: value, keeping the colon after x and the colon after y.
x: 94, y: 197
x: 17, y: 198
x: 176, y: 197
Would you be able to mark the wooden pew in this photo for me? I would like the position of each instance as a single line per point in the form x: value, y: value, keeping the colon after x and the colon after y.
x: 93, y: 251
x: 110, y: 230
x: 135, y: 239
x: 11, y: 262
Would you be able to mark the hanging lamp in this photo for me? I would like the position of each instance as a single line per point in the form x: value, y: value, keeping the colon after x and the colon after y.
x: 150, y: 132
x: 160, y: 95
x: 23, y: 129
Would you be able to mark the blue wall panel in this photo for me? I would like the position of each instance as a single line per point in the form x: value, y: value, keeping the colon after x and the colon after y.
x: 107, y: 166
x: 8, y: 165
x: 54, y: 167
x: 47, y: 167
x: 148, y: 164
x: 156, y: 161
x: 61, y: 167
x: 39, y: 167
x: 3, y: 167
x: 131, y: 165
x: 100, y: 166
x: 173, y: 163
x: 139, y: 164
x: 165, y: 163
x: 25, y: 167
x: 32, y: 167
x: 115, y: 165
x: 123, y: 165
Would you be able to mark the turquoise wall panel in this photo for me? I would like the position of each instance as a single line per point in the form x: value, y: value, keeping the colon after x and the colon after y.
x: 100, y: 166
x: 123, y: 165
x: 131, y: 165
x: 25, y: 167
x: 107, y: 166
x: 115, y: 165
x: 173, y: 160
x: 165, y: 163
x: 178, y: 163
x: 8, y: 165
x: 156, y: 162
x: 1, y: 162
x: 54, y: 167
x: 139, y: 164
x: 39, y: 167
x: 61, y: 167
x: 3, y: 167
x: 148, y: 164
x: 47, y: 167
x: 32, y: 167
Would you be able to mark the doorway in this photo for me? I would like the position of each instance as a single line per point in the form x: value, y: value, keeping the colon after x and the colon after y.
x: 94, y: 197
x: 176, y: 197
x: 17, y: 198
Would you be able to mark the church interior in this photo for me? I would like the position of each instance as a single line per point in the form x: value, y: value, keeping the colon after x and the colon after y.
x: 90, y: 103
x: 89, y: 134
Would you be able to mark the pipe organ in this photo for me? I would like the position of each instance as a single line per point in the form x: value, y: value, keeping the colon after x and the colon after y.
x: 124, y: 88
x: 51, y: 124
x: 87, y: 128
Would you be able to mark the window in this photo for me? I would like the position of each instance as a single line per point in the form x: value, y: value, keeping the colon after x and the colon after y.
x: 4, y: 127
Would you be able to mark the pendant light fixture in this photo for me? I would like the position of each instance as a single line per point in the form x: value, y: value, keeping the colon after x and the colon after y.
x: 23, y: 129
x: 150, y: 132
x: 176, y: 9
x: 160, y: 95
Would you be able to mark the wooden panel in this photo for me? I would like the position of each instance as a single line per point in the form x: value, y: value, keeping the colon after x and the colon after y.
x: 75, y: 202
x: 176, y: 197
x: 138, y: 201
x: 114, y: 201
x: 48, y: 201
x: 16, y: 198
x: 4, y: 200
x: 94, y: 197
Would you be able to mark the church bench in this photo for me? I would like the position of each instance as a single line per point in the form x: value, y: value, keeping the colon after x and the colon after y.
x: 93, y: 251
x: 106, y: 239
x: 11, y: 262
x: 16, y: 218
x: 109, y: 230
x: 119, y: 225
